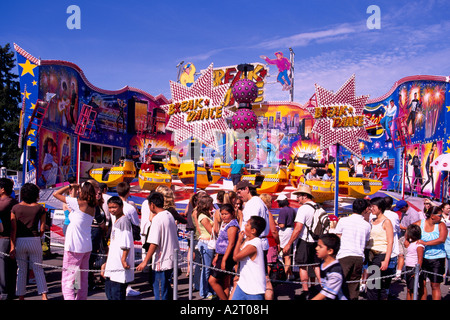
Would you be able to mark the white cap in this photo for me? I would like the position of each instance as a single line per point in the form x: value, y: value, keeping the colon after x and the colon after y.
x: 281, y: 197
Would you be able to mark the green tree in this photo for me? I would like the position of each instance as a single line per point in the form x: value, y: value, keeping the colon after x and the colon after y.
x: 9, y: 111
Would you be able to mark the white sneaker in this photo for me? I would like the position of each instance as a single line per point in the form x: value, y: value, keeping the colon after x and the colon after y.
x: 131, y: 292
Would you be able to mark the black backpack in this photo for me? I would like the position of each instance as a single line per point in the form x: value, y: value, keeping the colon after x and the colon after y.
x: 277, y: 271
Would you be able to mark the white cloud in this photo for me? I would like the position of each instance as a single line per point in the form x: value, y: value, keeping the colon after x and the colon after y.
x: 304, y: 39
x: 378, y: 59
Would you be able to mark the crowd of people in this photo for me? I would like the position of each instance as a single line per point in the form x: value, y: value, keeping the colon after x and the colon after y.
x: 237, y: 242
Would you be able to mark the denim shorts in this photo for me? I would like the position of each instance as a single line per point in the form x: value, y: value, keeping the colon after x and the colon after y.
x: 241, y: 295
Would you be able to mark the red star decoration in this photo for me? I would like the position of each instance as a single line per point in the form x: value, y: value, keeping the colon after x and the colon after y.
x: 206, y: 131
x: 347, y: 137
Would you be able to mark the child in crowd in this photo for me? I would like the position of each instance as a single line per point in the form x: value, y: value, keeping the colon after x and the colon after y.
x: 250, y: 255
x: 220, y: 281
x: 413, y: 256
x: 117, y: 270
x: 332, y: 278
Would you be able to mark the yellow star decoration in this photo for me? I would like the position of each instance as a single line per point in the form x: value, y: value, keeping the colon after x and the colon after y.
x: 34, y: 83
x: 33, y: 105
x: 32, y: 132
x: 29, y: 142
x: 26, y: 94
x: 448, y: 150
x: 27, y: 68
x: 448, y: 108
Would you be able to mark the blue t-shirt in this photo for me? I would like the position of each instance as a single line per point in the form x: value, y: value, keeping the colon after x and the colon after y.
x: 236, y: 166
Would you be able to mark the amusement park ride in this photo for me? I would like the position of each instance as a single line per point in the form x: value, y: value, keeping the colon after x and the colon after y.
x: 268, y: 180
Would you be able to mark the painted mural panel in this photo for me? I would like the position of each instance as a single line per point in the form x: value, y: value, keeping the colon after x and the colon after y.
x: 421, y: 104
x: 62, y: 111
x: 283, y: 131
x: 54, y: 158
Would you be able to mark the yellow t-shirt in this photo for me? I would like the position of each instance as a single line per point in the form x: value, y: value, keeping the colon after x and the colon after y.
x: 204, y: 234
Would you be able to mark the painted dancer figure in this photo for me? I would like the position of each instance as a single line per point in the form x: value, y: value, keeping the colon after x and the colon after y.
x: 283, y: 64
x: 415, y: 107
x: 429, y: 168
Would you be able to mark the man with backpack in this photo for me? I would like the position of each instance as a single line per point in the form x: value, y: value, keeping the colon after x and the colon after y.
x: 305, y: 248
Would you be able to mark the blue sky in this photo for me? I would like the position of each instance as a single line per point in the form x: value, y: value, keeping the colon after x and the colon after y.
x: 139, y: 43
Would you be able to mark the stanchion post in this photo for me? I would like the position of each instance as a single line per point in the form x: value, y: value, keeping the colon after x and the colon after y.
x: 416, y: 281
x: 175, y: 274
x: 191, y: 264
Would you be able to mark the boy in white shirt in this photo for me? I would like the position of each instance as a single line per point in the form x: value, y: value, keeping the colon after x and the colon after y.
x: 120, y: 254
x: 163, y: 239
x: 252, y: 269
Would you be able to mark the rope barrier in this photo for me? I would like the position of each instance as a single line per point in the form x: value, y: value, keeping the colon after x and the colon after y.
x: 182, y: 262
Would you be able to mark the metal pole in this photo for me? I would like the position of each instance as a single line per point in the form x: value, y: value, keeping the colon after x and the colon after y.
x: 292, y: 57
x: 191, y: 265
x: 416, y: 281
x: 336, y: 183
x: 175, y: 274
x: 404, y: 173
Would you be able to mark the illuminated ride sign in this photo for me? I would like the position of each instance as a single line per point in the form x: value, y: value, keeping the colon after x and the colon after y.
x: 198, y: 111
x: 230, y: 75
x: 339, y: 118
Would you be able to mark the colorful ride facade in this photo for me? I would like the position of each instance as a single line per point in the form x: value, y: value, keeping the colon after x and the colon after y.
x: 129, y: 120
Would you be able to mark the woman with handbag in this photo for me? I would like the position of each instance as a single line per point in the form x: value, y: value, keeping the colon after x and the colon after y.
x: 206, y: 242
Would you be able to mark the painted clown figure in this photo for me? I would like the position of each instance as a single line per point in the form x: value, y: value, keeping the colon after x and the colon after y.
x: 283, y: 64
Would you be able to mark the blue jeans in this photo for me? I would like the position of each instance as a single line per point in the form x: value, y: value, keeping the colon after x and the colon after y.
x: 206, y: 256
x: 284, y: 78
x: 385, y: 123
x: 161, y: 284
x: 115, y: 290
x: 241, y: 295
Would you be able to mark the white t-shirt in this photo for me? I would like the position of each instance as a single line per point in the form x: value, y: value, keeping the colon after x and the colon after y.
x: 355, y: 233
x: 131, y: 212
x: 256, y: 207
x: 163, y: 233
x: 105, y: 206
x: 145, y: 222
x: 252, y: 274
x: 78, y: 235
x: 121, y: 238
x: 305, y: 214
x: 395, y: 220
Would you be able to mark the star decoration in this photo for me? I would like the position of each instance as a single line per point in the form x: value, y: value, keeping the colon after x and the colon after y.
x: 26, y: 94
x: 346, y: 136
x: 205, y: 130
x: 27, y: 67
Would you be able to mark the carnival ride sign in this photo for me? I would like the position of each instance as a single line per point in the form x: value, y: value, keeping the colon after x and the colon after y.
x: 198, y: 111
x: 230, y: 75
x: 339, y: 117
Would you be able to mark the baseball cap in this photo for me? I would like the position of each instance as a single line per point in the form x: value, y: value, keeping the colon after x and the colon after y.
x: 400, y: 205
x: 244, y: 183
x: 281, y: 197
